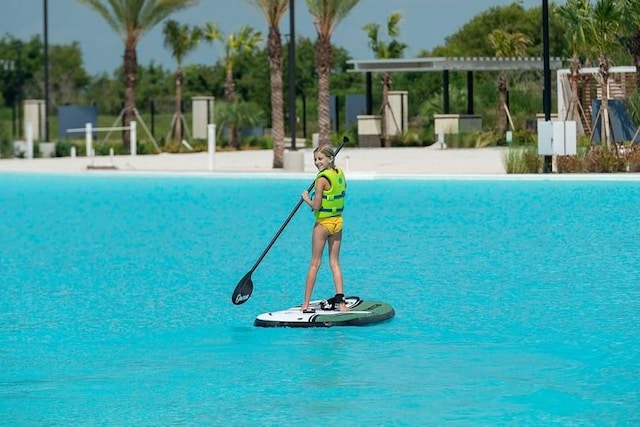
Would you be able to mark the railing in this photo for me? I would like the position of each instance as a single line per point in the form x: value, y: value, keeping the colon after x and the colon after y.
x: 89, y: 129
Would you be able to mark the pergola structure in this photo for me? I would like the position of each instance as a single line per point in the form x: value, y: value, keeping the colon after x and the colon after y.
x: 446, y: 65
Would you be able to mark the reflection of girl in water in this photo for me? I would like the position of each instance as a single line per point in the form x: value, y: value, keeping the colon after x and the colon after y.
x: 327, y: 205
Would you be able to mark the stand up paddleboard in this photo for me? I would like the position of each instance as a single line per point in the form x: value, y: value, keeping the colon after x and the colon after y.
x: 360, y: 313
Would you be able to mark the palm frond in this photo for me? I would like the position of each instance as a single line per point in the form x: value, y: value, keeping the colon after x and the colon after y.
x: 381, y: 49
x: 393, y: 24
x: 327, y: 14
x: 273, y: 10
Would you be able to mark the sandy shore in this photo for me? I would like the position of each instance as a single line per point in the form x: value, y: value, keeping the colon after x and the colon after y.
x: 377, y: 161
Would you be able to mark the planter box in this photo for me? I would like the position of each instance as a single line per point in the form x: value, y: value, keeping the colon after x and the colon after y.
x: 47, y: 149
x: 457, y: 123
x: 369, y: 131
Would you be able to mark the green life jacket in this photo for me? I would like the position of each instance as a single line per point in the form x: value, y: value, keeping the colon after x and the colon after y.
x: 333, y: 198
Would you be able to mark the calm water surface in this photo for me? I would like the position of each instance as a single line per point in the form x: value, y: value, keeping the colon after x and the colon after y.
x: 517, y: 303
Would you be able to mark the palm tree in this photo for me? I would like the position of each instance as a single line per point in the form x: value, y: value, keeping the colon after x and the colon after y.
x: 131, y: 19
x: 506, y: 44
x: 630, y: 23
x: 238, y: 114
x: 273, y: 11
x: 602, y: 29
x: 326, y: 14
x: 382, y: 50
x: 574, y: 16
x: 211, y: 32
x: 181, y: 39
x: 245, y: 41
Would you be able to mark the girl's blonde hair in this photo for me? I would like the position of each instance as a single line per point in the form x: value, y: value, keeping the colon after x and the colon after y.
x: 325, y: 149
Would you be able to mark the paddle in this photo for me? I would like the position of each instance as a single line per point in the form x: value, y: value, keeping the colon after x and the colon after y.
x: 244, y: 288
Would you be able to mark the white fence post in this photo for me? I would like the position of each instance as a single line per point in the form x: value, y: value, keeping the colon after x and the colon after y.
x: 89, y: 138
x: 134, y: 138
x: 211, y: 144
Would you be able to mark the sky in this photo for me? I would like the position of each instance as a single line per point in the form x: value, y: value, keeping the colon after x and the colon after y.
x: 425, y: 25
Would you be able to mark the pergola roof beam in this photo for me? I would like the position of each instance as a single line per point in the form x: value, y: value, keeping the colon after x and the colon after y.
x: 453, y: 64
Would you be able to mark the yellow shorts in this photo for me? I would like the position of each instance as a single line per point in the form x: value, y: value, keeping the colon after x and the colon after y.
x: 333, y: 224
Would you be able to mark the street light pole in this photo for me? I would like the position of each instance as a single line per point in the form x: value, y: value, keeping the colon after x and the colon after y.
x: 46, y: 71
x: 546, y: 97
x: 292, y: 74
x: 17, y: 101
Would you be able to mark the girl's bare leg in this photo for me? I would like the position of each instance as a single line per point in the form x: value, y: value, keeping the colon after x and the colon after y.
x: 318, y: 239
x: 335, y: 241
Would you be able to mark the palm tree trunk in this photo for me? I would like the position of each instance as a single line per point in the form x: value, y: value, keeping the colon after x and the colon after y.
x: 277, y: 102
x: 177, y: 127
x: 229, y: 87
x: 229, y: 95
x: 323, y: 58
x: 130, y: 66
x: 604, y: 74
x: 574, y: 74
x: 606, y: 134
x: 502, y: 103
x: 386, y: 83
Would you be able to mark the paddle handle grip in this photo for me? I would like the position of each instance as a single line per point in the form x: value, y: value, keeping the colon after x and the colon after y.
x: 345, y: 139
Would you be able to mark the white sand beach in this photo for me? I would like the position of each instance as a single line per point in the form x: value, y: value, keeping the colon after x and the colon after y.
x: 369, y: 161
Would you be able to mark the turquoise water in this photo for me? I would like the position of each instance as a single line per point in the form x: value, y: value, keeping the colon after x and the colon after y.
x: 517, y: 303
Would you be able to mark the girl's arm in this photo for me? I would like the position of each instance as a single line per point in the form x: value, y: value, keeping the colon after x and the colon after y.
x: 322, y: 184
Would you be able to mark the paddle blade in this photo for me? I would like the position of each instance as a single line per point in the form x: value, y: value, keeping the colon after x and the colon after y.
x: 243, y: 290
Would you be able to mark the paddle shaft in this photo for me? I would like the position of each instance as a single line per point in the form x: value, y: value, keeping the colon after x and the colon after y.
x: 293, y: 212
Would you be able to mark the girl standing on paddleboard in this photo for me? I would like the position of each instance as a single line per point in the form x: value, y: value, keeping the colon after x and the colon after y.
x: 327, y: 205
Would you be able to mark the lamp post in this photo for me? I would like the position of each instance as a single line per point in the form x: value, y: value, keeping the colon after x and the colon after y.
x: 292, y: 74
x: 46, y: 70
x: 17, y: 99
x: 546, y: 97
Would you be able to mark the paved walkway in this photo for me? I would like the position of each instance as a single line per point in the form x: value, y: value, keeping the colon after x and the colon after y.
x: 378, y: 161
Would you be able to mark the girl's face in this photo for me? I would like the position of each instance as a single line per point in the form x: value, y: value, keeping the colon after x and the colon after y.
x: 321, y: 160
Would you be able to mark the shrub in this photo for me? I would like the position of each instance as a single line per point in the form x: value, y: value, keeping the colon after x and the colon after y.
x: 487, y: 139
x: 600, y: 158
x: 522, y: 160
x: 525, y: 138
x: 407, y: 139
x: 460, y: 140
x: 631, y: 155
x: 6, y: 148
x: 197, y: 145
x: 352, y: 134
x: 472, y: 140
x: 145, y: 147
x: 262, y: 142
x: 569, y: 164
x: 63, y: 148
x: 104, y: 148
